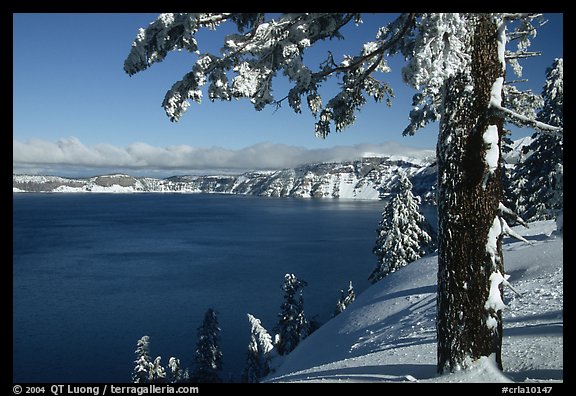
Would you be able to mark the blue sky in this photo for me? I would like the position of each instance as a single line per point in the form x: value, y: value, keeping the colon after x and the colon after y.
x: 76, y: 112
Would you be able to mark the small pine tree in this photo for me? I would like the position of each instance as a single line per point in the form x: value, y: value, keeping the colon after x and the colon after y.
x: 176, y: 373
x: 259, y: 352
x: 208, y: 357
x: 537, y: 184
x: 345, y: 300
x: 293, y: 325
x: 403, y: 233
x: 141, y: 371
x: 157, y: 372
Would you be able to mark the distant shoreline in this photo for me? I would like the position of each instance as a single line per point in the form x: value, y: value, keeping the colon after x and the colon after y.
x: 366, y: 179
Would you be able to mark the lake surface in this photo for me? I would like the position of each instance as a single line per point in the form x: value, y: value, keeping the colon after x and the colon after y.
x: 92, y: 273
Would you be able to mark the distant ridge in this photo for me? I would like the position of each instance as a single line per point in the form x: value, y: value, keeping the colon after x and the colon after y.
x: 368, y: 178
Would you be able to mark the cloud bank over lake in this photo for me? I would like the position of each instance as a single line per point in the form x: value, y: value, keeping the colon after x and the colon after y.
x: 69, y: 156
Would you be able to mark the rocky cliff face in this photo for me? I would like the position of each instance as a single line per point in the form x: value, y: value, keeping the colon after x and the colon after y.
x: 369, y: 178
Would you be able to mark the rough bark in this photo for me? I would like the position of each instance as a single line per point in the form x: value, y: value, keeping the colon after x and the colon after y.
x: 467, y: 210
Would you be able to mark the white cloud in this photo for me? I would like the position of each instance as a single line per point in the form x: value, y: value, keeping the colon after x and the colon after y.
x: 70, y: 155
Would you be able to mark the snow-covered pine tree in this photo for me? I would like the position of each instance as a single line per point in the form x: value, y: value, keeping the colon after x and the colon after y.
x: 146, y: 370
x: 208, y: 356
x: 455, y: 61
x: 176, y: 373
x: 404, y: 235
x: 345, y: 299
x: 141, y: 372
x: 537, y: 185
x: 259, y: 352
x: 157, y: 372
x: 292, y: 326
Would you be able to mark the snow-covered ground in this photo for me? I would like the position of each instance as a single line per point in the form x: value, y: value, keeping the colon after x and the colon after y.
x: 388, y: 333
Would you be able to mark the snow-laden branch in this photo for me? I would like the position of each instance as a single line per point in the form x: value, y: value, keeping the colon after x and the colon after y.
x: 512, y: 82
x: 506, y: 230
x: 502, y: 209
x: 522, y: 54
x: 379, y: 51
x: 167, y: 33
x: 520, y: 15
x: 506, y: 283
x: 540, y: 126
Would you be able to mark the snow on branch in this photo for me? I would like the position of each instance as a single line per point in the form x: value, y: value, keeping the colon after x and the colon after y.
x: 434, y: 46
x: 255, y: 58
x: 435, y: 52
x: 522, y: 54
x: 506, y: 230
x: 357, y: 79
x: 520, y: 15
x: 167, y: 33
x: 379, y: 51
x: 503, y: 210
x: 506, y: 283
x: 540, y: 126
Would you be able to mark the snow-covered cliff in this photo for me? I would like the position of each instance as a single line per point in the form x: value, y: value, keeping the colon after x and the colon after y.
x: 368, y: 178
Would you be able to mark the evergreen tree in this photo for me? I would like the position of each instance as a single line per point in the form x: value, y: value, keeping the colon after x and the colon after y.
x: 537, y: 185
x: 208, y: 357
x: 455, y: 61
x: 259, y: 352
x: 157, y: 372
x: 146, y: 370
x: 404, y: 235
x: 293, y: 325
x: 176, y: 373
x: 345, y: 300
x: 141, y: 372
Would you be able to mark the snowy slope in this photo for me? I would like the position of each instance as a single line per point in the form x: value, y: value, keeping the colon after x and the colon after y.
x: 388, y: 333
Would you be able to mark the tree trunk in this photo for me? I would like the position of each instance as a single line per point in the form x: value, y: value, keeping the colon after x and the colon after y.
x: 466, y: 328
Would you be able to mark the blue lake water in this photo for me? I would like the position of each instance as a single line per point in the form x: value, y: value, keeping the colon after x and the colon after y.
x: 92, y: 273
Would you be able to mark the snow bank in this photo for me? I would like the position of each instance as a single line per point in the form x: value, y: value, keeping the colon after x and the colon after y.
x: 388, y: 334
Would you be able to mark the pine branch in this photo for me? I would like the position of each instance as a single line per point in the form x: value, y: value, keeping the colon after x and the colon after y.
x: 520, y: 15
x: 506, y: 283
x: 539, y: 126
x: 516, y: 35
x: 378, y: 51
x: 514, y: 82
x: 505, y: 210
x: 156, y: 42
x: 522, y: 54
x: 506, y: 230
